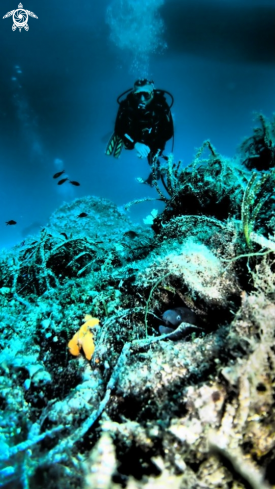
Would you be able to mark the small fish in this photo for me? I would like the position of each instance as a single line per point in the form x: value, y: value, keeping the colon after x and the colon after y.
x: 64, y: 234
x: 73, y: 182
x: 83, y: 214
x: 11, y: 222
x: 58, y: 174
x: 173, y: 317
x: 131, y: 234
x: 166, y: 158
x: 62, y: 181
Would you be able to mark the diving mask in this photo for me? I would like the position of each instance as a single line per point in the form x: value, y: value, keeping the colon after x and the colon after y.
x: 143, y: 95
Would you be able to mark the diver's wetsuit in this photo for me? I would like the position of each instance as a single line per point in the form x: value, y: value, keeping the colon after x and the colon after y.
x: 152, y: 125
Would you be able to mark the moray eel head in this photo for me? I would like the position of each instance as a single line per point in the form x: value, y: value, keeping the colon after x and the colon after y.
x: 173, y: 317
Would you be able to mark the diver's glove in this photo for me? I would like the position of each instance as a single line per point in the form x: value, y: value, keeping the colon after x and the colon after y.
x: 142, y: 150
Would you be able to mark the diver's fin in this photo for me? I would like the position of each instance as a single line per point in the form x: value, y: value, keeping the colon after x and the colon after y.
x: 118, y: 147
x: 114, y: 146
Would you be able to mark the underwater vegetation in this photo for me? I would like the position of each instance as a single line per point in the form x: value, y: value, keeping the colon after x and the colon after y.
x: 260, y: 147
x: 170, y: 380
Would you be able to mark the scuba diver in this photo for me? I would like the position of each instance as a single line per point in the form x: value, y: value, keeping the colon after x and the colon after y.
x: 144, y: 122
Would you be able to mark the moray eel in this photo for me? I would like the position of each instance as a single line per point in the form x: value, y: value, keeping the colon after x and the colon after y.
x: 174, y: 317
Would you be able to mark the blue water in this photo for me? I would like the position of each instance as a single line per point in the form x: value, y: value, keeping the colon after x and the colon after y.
x: 60, y: 80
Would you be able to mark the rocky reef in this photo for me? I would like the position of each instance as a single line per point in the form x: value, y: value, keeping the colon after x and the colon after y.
x: 193, y: 409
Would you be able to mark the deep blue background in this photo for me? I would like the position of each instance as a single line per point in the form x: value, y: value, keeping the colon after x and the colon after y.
x: 59, y: 83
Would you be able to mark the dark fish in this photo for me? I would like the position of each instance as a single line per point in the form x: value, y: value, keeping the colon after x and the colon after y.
x: 83, y: 214
x: 64, y: 234
x: 131, y: 234
x: 73, y: 182
x: 11, y: 222
x: 173, y: 317
x: 58, y: 174
x: 166, y: 158
x: 62, y: 181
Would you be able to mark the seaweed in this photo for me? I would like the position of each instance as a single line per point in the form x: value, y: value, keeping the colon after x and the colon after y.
x: 249, y: 215
x: 258, y: 150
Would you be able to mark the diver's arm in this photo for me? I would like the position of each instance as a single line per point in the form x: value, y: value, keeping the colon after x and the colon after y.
x: 142, y: 149
x: 122, y: 128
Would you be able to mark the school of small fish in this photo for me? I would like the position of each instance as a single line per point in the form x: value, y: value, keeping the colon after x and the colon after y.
x: 63, y: 180
x: 11, y: 222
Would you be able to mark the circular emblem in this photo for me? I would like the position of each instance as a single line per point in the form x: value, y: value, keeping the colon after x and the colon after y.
x: 20, y: 18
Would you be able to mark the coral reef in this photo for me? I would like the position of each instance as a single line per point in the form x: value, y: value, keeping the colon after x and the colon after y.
x: 138, y: 410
